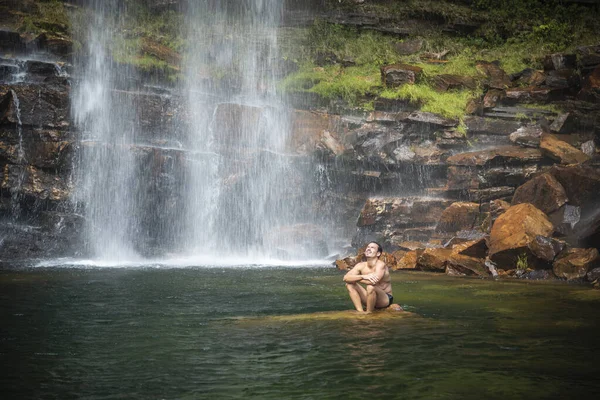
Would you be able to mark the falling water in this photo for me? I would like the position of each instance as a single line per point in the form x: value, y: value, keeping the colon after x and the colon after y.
x: 15, y: 201
x: 106, y: 162
x: 232, y: 186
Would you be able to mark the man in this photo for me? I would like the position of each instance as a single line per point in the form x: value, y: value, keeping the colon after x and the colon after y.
x: 374, y: 274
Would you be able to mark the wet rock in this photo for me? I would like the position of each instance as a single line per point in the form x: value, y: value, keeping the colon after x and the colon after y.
x: 459, y: 216
x: 546, y: 248
x: 39, y: 154
x: 487, y: 194
x: 401, y: 211
x: 543, y: 191
x: 561, y: 151
x: 35, y: 186
x: 561, y: 123
x: 527, y: 136
x: 581, y: 183
x: 315, y: 130
x: 40, y: 105
x: 575, y: 263
x: 497, y: 78
x: 399, y: 74
x: 565, y: 218
x: 11, y: 42
x: 513, y: 232
x: 480, y: 125
x: 504, y: 154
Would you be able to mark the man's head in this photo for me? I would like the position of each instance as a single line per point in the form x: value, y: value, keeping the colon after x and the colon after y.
x: 373, y: 249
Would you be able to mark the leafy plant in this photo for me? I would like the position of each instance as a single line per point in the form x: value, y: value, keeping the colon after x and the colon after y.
x: 522, y: 263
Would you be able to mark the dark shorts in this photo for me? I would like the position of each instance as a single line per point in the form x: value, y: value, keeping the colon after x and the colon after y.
x: 391, y: 300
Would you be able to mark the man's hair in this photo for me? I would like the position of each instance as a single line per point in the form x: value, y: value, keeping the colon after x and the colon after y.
x: 380, y: 247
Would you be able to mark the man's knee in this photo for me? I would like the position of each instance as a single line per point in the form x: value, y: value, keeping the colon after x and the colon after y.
x: 351, y: 286
x: 371, y: 289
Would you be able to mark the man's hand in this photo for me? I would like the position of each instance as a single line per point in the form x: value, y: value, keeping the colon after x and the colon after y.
x: 373, y: 278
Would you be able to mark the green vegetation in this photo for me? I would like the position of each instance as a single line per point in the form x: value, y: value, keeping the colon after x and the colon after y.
x: 522, y: 263
x: 518, y: 33
x: 47, y: 16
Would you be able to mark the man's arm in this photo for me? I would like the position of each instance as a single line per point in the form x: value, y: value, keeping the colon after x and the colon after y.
x: 354, y: 276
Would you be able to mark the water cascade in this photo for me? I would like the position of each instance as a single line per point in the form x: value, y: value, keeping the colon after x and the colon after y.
x: 222, y: 179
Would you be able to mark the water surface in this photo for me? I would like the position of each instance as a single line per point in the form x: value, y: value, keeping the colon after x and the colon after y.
x: 229, y: 333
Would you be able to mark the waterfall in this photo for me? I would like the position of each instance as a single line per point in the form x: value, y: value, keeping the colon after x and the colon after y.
x: 105, y: 172
x: 231, y: 187
x: 15, y: 200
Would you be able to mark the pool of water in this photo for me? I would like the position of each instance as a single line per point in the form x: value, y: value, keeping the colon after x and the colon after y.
x: 278, y: 333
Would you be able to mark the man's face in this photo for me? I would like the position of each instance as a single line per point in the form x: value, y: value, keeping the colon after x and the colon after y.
x: 371, y: 250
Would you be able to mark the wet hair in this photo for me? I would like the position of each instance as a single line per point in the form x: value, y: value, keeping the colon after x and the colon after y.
x: 379, y: 247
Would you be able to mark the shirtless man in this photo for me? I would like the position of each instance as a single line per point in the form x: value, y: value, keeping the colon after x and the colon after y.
x: 374, y: 274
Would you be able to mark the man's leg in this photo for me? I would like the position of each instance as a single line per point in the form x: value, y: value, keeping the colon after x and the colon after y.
x: 358, y: 295
x: 376, y: 298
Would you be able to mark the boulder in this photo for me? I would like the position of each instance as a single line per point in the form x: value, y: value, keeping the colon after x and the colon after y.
x: 497, y: 78
x: 445, y: 82
x: 466, y: 265
x: 575, y: 263
x: 581, y: 183
x: 529, y: 77
x: 434, y: 260
x: 399, y: 74
x: 543, y: 191
x: 346, y: 263
x: 408, y: 47
x: 472, y: 248
x: 514, y: 230
x: 593, y: 275
x: 487, y: 126
x: 408, y: 261
x: 561, y: 151
x: 546, y: 248
x: 531, y: 94
x: 559, y: 61
x: 492, y: 98
x: 459, y: 216
x: 527, y: 136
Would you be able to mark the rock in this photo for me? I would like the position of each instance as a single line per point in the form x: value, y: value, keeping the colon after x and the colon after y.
x: 561, y: 123
x: 40, y: 105
x: 486, y: 126
x: 36, y: 185
x: 567, y: 79
x: 593, y: 275
x: 590, y: 90
x: 11, y: 42
x: 445, y: 82
x: 472, y: 248
x: 529, y: 77
x: 559, y: 61
x: 484, y: 195
x: 575, y: 263
x: 458, y: 216
x: 513, y: 231
x: 527, y: 136
x: 543, y: 191
x: 531, y: 94
x: 398, y: 74
x: 561, y: 151
x: 467, y: 265
x: 589, y: 148
x: 407, y: 261
x: 581, y: 183
x: 401, y: 211
x: 588, y: 56
x: 434, y: 260
x: 346, y: 263
x: 504, y: 154
x: 539, y: 274
x: 492, y: 98
x: 546, y: 248
x: 429, y: 119
x: 497, y: 78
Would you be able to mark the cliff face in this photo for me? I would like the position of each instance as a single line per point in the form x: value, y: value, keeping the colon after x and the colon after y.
x: 415, y: 180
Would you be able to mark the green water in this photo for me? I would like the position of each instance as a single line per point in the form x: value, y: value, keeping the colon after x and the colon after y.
x: 237, y: 333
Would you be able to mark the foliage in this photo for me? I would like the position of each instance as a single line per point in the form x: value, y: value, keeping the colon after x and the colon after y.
x: 47, y: 16
x: 449, y: 104
x: 522, y: 263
